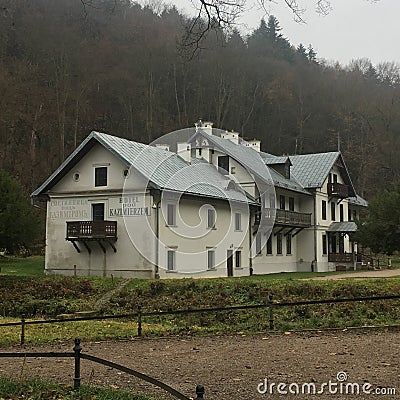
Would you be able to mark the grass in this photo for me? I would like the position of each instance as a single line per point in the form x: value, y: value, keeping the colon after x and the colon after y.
x: 18, y: 266
x: 40, y: 390
x: 46, y: 297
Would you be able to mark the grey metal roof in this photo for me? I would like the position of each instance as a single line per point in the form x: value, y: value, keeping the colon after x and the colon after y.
x: 163, y: 169
x: 344, y: 226
x: 311, y: 170
x: 270, y: 159
x: 290, y: 184
x: 358, y: 201
x: 246, y: 156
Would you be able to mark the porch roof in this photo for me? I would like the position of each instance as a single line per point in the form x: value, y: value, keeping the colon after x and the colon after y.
x: 344, y: 226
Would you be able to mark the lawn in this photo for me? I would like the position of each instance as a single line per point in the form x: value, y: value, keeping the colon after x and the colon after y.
x: 40, y: 297
x: 17, y: 266
x: 39, y: 390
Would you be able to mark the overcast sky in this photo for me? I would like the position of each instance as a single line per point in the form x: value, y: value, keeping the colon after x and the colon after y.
x: 353, y: 29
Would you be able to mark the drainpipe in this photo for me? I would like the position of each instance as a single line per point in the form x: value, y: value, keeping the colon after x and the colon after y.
x: 314, y: 262
x: 156, y: 247
x: 250, y: 236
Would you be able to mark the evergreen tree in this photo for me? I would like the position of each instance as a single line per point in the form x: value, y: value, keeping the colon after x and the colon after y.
x: 311, y: 54
x: 19, y: 223
x: 381, y: 230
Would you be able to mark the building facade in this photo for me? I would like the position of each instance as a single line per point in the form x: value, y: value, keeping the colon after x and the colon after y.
x: 205, y: 204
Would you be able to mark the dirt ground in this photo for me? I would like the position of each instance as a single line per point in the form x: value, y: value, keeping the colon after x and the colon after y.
x: 232, y: 367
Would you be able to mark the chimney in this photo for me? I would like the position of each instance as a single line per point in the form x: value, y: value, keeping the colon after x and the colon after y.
x: 204, y: 126
x: 255, y: 144
x: 184, y: 151
x: 232, y: 136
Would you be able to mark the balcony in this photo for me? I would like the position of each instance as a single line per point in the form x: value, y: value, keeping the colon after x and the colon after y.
x: 92, y: 231
x: 341, y: 257
x: 338, y: 190
x: 81, y: 230
x: 286, y: 218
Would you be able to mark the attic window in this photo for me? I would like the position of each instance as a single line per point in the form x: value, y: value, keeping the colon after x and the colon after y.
x: 126, y: 172
x: 100, y: 176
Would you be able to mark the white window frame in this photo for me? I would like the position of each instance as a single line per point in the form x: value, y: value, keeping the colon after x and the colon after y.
x: 238, y: 221
x: 211, y: 216
x: 210, y: 259
x: 171, y: 259
x: 171, y: 214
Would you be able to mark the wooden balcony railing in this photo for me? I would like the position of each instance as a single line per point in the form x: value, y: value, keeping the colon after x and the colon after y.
x: 341, y: 257
x: 338, y: 190
x: 286, y: 218
x: 91, y: 230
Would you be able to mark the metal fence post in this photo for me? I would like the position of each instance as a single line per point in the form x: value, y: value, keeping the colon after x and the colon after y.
x: 139, y: 317
x: 23, y: 328
x: 77, y: 374
x: 199, y: 392
x: 271, y: 312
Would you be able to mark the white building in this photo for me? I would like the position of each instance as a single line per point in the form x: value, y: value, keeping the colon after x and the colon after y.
x: 206, y: 204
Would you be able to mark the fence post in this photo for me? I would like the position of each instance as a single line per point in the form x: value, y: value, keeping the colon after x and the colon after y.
x: 139, y: 317
x: 199, y: 392
x: 271, y: 312
x: 23, y: 329
x: 77, y: 374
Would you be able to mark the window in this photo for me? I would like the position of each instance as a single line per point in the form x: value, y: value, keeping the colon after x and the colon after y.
x: 100, y: 176
x: 349, y: 215
x: 269, y: 245
x: 238, y: 259
x: 291, y: 203
x: 334, y: 178
x: 98, y: 212
x: 323, y: 209
x: 171, y: 260
x: 171, y: 214
x: 272, y: 201
x: 223, y: 164
x: 210, y: 259
x: 333, y: 211
x: 279, y: 243
x: 354, y: 215
x: 341, y: 213
x: 210, y: 218
x: 238, y: 222
x: 258, y: 243
x: 289, y: 244
x: 324, y: 245
x: 200, y: 152
x: 282, y: 202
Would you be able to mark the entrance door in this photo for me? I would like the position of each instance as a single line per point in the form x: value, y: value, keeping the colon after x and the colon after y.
x: 98, y: 212
x: 229, y: 262
x: 333, y: 243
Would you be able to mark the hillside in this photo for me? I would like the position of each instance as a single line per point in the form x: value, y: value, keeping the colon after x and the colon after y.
x: 115, y: 66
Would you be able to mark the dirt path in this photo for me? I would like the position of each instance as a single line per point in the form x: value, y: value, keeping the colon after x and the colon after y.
x: 231, y: 367
x: 384, y: 273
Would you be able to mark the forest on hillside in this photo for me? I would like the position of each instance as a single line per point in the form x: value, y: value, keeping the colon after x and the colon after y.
x: 118, y: 67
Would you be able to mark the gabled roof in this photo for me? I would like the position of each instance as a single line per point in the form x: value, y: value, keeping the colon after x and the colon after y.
x: 311, y: 170
x: 246, y: 156
x: 253, y: 161
x: 164, y: 170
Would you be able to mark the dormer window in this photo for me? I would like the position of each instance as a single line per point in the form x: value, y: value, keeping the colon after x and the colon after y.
x: 223, y: 165
x: 100, y: 176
